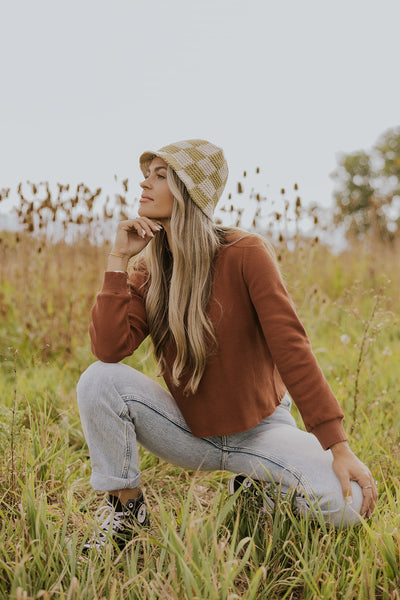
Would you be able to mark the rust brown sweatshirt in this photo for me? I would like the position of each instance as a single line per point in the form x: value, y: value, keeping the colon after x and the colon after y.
x: 262, y: 349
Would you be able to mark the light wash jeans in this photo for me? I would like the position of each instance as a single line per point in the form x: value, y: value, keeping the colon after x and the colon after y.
x: 120, y: 407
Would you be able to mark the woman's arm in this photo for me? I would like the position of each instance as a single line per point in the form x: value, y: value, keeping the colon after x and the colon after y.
x: 290, y: 347
x: 119, y: 323
x: 291, y: 351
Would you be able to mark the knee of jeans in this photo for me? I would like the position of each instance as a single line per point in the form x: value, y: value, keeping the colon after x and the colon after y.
x: 341, y: 513
x: 352, y: 511
x: 91, y: 382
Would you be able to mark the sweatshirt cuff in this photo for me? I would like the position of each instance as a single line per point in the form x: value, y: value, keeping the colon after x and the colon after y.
x: 115, y: 282
x: 330, y: 432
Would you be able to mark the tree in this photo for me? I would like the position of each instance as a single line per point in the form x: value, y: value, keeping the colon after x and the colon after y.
x: 367, y: 194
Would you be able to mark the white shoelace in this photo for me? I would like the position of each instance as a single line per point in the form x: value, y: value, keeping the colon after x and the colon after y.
x: 109, y: 520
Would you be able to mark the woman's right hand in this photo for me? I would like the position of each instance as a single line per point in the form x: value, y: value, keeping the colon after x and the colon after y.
x: 133, y: 235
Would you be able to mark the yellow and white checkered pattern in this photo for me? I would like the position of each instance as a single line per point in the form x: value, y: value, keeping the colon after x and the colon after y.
x: 200, y: 165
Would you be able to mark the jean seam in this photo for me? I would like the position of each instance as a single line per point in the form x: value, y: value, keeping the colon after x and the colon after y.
x: 276, y: 460
x: 167, y: 417
x: 128, y: 454
x: 143, y: 401
x: 224, y: 452
x: 178, y: 426
x: 131, y: 398
x: 124, y: 413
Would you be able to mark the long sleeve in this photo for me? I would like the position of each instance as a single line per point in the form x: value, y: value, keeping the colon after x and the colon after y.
x: 119, y: 323
x: 290, y: 347
x: 262, y: 347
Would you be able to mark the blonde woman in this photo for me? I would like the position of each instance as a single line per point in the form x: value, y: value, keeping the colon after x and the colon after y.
x: 229, y: 346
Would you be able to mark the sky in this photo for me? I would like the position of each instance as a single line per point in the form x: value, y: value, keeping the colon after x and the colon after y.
x: 87, y: 85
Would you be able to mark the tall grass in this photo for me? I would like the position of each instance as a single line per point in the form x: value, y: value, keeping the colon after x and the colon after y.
x: 199, y: 545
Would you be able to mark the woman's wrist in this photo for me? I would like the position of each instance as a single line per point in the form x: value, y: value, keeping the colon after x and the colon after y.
x: 117, y: 261
x: 340, y: 447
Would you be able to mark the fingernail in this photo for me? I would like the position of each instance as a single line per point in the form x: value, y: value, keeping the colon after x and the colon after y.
x: 349, y: 500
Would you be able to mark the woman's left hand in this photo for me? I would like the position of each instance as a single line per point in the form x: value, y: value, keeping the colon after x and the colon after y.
x: 348, y: 467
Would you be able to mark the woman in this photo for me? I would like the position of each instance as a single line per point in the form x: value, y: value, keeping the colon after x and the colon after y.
x: 228, y: 343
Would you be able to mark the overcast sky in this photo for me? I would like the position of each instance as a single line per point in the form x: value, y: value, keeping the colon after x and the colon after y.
x: 87, y: 85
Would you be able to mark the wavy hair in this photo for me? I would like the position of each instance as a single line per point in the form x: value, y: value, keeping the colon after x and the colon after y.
x: 180, y: 283
x: 180, y: 286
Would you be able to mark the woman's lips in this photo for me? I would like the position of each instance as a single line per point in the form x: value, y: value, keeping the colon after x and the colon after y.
x: 146, y: 199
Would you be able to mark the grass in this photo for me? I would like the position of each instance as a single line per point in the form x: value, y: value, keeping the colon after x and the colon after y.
x: 198, y: 546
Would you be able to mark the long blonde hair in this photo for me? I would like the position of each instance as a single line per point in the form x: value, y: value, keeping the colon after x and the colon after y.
x: 180, y: 286
x: 180, y: 283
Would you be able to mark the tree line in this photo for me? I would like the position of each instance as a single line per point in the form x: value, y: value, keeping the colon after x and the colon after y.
x: 367, y: 192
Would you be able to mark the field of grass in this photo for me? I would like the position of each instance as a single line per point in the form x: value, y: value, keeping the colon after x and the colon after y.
x: 197, y: 547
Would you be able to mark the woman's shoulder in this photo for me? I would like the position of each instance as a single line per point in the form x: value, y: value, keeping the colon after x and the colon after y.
x: 250, y: 250
x: 239, y: 238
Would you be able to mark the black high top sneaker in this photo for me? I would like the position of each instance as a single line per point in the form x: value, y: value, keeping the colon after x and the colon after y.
x: 253, y: 492
x: 118, y: 519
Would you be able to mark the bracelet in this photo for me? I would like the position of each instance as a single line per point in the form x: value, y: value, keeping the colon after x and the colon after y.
x: 118, y: 255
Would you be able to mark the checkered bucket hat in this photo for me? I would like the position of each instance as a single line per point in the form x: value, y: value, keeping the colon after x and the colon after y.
x: 200, y: 165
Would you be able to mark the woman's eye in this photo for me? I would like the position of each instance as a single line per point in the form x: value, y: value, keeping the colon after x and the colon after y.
x: 157, y: 175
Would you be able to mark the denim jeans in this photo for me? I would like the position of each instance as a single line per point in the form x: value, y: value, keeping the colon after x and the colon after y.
x: 120, y: 407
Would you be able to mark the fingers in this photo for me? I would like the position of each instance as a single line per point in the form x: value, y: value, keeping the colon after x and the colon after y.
x: 142, y: 226
x: 370, y: 494
x: 369, y: 491
x: 343, y: 474
x: 133, y: 235
x: 346, y: 488
x: 347, y: 468
x: 367, y: 484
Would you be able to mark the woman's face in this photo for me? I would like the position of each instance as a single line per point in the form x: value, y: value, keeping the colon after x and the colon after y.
x: 157, y: 199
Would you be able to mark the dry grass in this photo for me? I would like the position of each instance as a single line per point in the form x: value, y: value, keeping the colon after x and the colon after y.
x: 195, y: 548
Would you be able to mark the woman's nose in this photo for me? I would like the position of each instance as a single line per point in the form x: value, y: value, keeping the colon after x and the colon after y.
x: 145, y: 184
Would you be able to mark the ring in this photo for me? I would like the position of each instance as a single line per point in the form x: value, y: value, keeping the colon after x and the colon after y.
x: 366, y: 487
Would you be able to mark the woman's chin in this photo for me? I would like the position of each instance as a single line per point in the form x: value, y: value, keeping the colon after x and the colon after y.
x: 142, y: 212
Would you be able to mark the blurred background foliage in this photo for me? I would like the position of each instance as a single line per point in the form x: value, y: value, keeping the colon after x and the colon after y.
x: 367, y: 194
x: 366, y: 204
